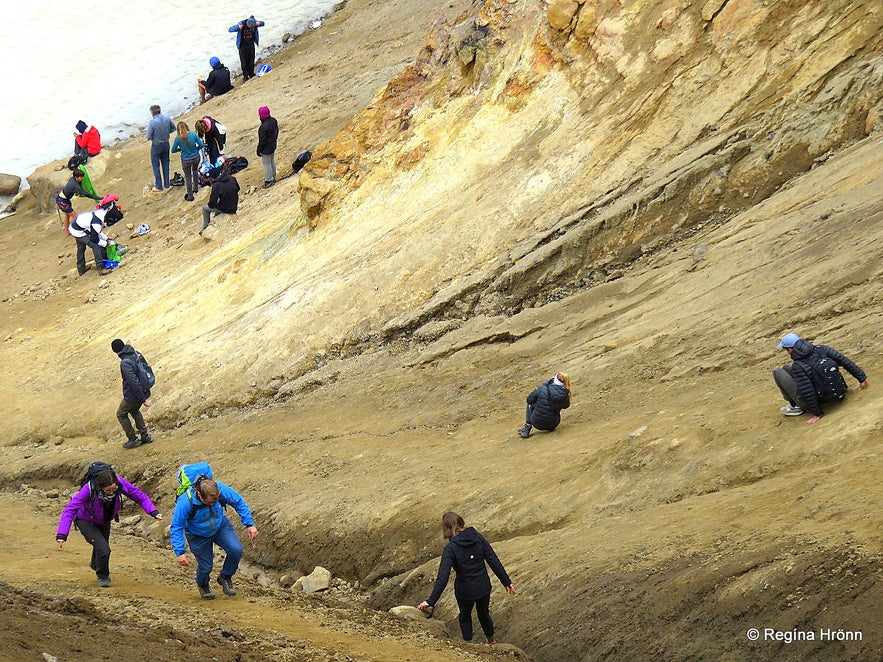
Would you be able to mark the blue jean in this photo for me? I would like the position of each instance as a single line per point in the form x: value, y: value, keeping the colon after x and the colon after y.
x: 203, y: 549
x: 159, y: 154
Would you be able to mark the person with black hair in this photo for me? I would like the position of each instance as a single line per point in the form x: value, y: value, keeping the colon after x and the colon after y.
x: 135, y: 394
x: 93, y: 508
x: 64, y: 199
x: 246, y: 39
x: 466, y: 553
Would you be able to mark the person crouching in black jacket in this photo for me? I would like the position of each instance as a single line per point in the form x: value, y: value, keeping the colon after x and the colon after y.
x: 545, y: 403
x: 466, y: 552
x: 224, y: 198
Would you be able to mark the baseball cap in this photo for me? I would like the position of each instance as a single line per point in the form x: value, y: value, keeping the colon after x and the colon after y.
x: 788, y: 341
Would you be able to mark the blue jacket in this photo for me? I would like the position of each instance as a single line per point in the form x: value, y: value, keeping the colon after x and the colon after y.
x: 190, y: 149
x: 466, y: 553
x: 197, y: 519
x: 547, y: 400
x: 238, y: 30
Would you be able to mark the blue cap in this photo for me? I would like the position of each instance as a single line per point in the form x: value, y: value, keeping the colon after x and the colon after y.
x: 789, y: 341
x: 214, y: 61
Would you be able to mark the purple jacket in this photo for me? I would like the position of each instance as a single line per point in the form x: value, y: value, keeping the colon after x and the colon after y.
x: 92, y: 510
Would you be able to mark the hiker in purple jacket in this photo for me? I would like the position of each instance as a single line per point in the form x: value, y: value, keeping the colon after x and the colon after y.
x: 93, y: 508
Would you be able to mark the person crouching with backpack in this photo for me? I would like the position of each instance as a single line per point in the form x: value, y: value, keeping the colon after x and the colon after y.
x: 199, y: 515
x: 813, y: 378
x: 93, y: 508
x: 135, y: 394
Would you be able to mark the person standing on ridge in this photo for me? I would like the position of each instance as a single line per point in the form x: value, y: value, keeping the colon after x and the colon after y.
x: 159, y: 129
x: 814, y: 377
x: 135, y: 393
x: 93, y: 508
x: 215, y: 136
x: 199, y: 516
x: 189, y: 144
x: 218, y: 81
x: 64, y: 199
x: 466, y: 552
x: 268, y: 134
x: 246, y: 39
x: 545, y: 403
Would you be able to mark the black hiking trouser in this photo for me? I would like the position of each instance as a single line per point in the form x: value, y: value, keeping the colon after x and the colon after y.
x: 482, y: 608
x: 132, y: 409
x: 97, y: 535
x: 97, y: 251
x: 246, y: 59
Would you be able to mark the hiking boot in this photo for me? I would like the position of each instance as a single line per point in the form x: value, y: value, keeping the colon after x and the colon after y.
x: 104, y: 582
x: 146, y: 438
x: 104, y: 272
x: 524, y: 432
x: 791, y: 410
x: 269, y: 183
x: 188, y: 197
x: 226, y: 585
x: 134, y: 442
x: 205, y: 592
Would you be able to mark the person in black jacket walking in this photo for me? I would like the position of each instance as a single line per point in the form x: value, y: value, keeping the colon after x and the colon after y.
x: 268, y: 134
x: 545, y: 403
x: 224, y: 198
x: 134, y: 395
x: 797, y: 381
x: 466, y: 552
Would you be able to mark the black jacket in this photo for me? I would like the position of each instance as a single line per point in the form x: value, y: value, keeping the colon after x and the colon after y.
x: 132, y: 390
x: 801, y: 372
x: 225, y: 194
x: 547, y: 400
x: 466, y: 553
x: 218, y: 81
x: 268, y: 133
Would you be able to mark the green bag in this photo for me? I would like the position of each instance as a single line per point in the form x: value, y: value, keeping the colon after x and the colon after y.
x: 112, y: 253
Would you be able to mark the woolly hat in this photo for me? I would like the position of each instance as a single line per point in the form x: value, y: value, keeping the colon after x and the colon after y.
x: 789, y: 341
x: 117, y: 346
x: 263, y: 112
x: 214, y: 61
x: 82, y: 126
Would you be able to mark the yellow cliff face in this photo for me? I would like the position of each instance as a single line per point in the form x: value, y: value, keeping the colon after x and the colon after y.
x: 647, y: 195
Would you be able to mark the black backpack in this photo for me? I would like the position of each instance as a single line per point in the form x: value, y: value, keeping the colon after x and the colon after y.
x: 144, y: 372
x: 94, y: 469
x: 826, y: 378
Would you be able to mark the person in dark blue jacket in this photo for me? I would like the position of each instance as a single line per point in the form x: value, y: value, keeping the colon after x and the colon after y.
x: 796, y: 381
x: 545, y: 403
x: 134, y: 395
x: 247, y: 38
x: 466, y: 552
x: 199, y: 515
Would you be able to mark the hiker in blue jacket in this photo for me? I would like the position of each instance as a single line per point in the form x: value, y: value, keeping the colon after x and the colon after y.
x: 544, y: 404
x: 796, y: 381
x: 466, y: 552
x: 246, y: 39
x: 199, y: 516
x: 134, y: 395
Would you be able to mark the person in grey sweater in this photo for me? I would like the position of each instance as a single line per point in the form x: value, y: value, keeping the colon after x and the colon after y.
x: 159, y: 129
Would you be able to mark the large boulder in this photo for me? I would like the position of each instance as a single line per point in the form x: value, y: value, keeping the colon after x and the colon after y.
x: 318, y: 580
x: 47, y: 180
x: 9, y: 184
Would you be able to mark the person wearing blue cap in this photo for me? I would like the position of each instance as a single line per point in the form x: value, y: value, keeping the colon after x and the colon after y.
x: 218, y: 81
x: 246, y: 39
x: 813, y: 378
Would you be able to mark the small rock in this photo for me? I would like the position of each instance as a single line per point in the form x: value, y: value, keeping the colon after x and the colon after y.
x: 406, y: 611
x: 58, y: 441
x: 637, y: 433
x: 318, y: 580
